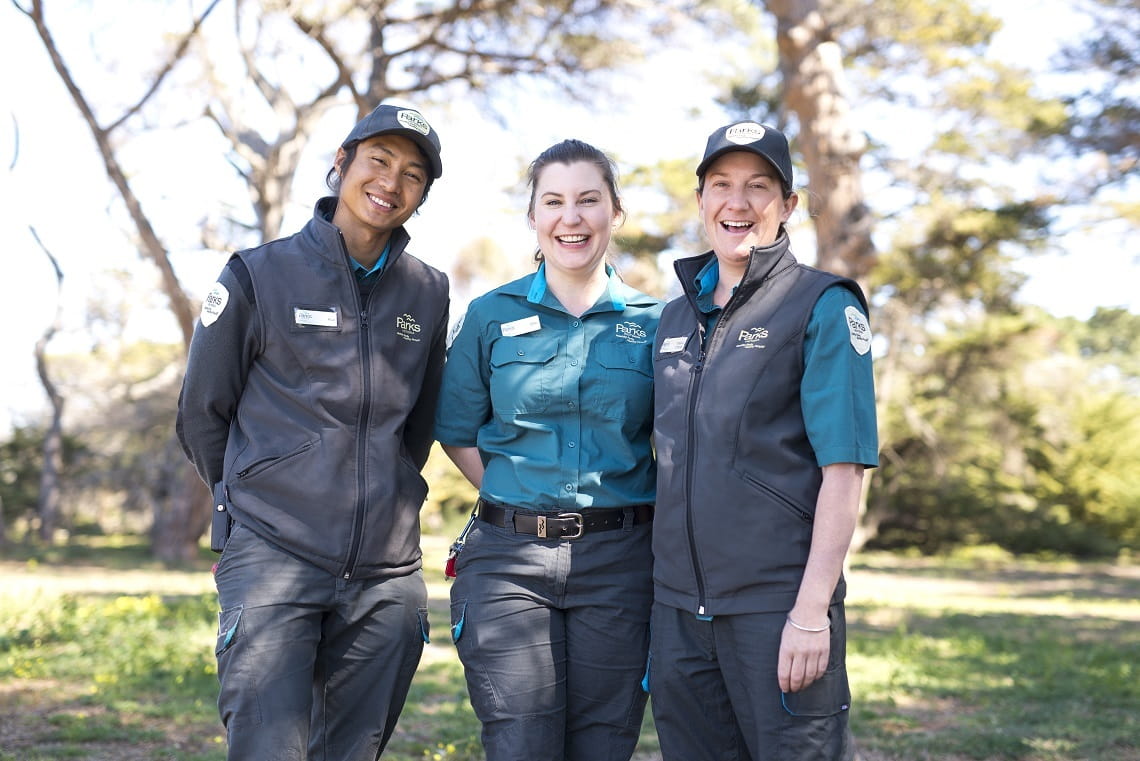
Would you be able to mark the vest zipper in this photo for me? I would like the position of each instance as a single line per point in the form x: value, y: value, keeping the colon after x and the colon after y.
x: 690, y: 456
x: 362, y: 425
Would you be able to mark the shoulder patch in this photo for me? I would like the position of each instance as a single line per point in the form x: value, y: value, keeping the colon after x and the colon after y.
x: 214, y: 304
x: 458, y: 326
x: 859, y: 330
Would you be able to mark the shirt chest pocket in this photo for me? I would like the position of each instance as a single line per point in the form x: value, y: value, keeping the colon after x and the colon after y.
x: 623, y: 389
x: 523, y: 374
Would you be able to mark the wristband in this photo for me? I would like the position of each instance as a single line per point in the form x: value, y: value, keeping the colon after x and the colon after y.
x: 807, y: 628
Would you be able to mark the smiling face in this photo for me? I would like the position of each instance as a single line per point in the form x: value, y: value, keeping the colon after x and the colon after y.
x: 742, y: 205
x: 573, y: 215
x: 381, y: 188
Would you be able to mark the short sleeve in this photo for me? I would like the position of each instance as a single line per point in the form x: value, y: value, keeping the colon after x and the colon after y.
x: 838, y: 386
x: 464, y: 396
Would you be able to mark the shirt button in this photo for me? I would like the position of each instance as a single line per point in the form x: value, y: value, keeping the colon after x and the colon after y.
x: 570, y: 405
x: 572, y: 445
x: 574, y: 324
x: 573, y: 363
x: 569, y: 487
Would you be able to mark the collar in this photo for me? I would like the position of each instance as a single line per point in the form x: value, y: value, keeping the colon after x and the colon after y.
x: 763, y: 263
x: 361, y: 271
x: 616, y: 297
x: 321, y: 235
x: 705, y: 284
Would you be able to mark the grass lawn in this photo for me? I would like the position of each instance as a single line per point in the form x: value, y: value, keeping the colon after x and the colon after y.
x: 104, y: 656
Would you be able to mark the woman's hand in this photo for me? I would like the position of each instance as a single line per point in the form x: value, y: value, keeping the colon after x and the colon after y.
x: 803, y: 655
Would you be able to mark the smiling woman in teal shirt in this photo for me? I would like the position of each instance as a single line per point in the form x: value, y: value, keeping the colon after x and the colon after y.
x: 546, y: 407
x: 554, y: 401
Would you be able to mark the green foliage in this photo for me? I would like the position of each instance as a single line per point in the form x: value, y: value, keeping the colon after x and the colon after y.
x: 21, y: 459
x: 977, y: 656
x: 1104, y: 106
x: 1004, y: 433
x: 1030, y: 661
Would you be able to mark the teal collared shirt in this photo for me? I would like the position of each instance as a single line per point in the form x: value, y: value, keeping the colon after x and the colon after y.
x: 837, y: 391
x: 371, y: 273
x: 560, y: 407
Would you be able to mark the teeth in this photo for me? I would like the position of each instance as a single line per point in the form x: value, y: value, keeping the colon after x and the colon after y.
x: 572, y: 238
x: 737, y: 225
x: 380, y: 201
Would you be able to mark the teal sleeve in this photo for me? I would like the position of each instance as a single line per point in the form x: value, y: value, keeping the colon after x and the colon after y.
x: 464, y: 396
x: 838, y: 387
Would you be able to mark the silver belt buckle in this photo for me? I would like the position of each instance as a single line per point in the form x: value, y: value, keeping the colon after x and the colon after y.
x: 581, y: 524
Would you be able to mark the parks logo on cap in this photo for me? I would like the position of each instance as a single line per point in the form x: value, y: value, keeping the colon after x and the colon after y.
x: 393, y: 120
x: 763, y: 140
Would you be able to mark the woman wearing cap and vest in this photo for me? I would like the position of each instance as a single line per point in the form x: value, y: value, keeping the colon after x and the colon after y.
x: 764, y: 423
x: 308, y: 405
x: 546, y: 407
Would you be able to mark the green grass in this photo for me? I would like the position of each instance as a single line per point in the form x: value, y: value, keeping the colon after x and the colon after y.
x: 953, y: 659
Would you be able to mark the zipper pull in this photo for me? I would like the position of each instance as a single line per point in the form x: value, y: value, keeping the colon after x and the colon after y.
x: 364, y: 319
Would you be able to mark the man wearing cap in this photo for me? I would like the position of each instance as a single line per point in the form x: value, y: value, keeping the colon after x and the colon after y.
x: 308, y: 406
x: 764, y: 423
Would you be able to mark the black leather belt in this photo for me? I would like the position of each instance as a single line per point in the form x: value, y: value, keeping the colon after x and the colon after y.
x: 562, y: 525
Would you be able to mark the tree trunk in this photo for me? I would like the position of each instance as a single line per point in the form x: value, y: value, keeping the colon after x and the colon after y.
x: 811, y: 64
x: 182, y: 511
x: 815, y: 90
x: 49, y: 500
x: 174, y: 514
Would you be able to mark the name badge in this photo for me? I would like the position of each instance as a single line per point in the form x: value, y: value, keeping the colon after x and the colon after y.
x: 519, y: 327
x: 317, y: 318
x: 674, y: 344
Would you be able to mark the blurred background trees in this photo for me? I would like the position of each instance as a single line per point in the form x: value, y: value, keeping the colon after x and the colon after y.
x: 931, y: 169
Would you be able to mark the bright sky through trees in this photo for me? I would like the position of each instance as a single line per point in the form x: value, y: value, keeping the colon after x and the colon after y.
x: 59, y: 186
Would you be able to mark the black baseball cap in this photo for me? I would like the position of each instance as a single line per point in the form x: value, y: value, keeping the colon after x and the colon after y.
x: 394, y: 120
x: 761, y: 139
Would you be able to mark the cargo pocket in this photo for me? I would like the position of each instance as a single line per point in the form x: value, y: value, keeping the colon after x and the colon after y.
x: 826, y: 696
x: 815, y: 722
x: 229, y: 622
x: 425, y: 626
x: 458, y: 614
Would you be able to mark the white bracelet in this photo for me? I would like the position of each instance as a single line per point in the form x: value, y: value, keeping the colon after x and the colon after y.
x: 808, y: 629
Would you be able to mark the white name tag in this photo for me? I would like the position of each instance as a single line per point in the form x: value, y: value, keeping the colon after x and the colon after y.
x: 314, y: 317
x: 519, y: 327
x: 674, y: 344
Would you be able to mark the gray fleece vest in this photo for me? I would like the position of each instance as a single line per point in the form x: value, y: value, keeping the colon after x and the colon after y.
x: 737, y: 477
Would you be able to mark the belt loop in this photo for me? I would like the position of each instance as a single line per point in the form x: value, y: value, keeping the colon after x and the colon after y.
x: 628, y: 515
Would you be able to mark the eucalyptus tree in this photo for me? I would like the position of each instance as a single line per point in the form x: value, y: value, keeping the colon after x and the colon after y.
x: 266, y: 78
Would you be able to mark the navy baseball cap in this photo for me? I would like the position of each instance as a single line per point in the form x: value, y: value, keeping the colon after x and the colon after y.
x: 394, y: 120
x: 761, y: 139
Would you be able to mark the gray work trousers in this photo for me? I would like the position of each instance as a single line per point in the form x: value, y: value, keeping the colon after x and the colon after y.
x: 553, y: 636
x: 716, y: 696
x: 312, y: 667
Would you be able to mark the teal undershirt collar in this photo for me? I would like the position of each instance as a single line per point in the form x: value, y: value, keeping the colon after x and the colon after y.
x: 359, y: 269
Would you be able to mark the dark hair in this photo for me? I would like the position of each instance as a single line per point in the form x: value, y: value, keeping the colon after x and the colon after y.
x: 332, y: 179
x: 570, y: 152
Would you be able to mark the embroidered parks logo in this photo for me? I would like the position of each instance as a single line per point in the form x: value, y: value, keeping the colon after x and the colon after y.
x: 414, y: 120
x: 631, y: 332
x: 744, y: 133
x: 407, y: 328
x: 752, y: 338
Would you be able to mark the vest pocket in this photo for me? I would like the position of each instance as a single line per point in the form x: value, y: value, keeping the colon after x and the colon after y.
x: 789, y: 506
x: 262, y: 464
